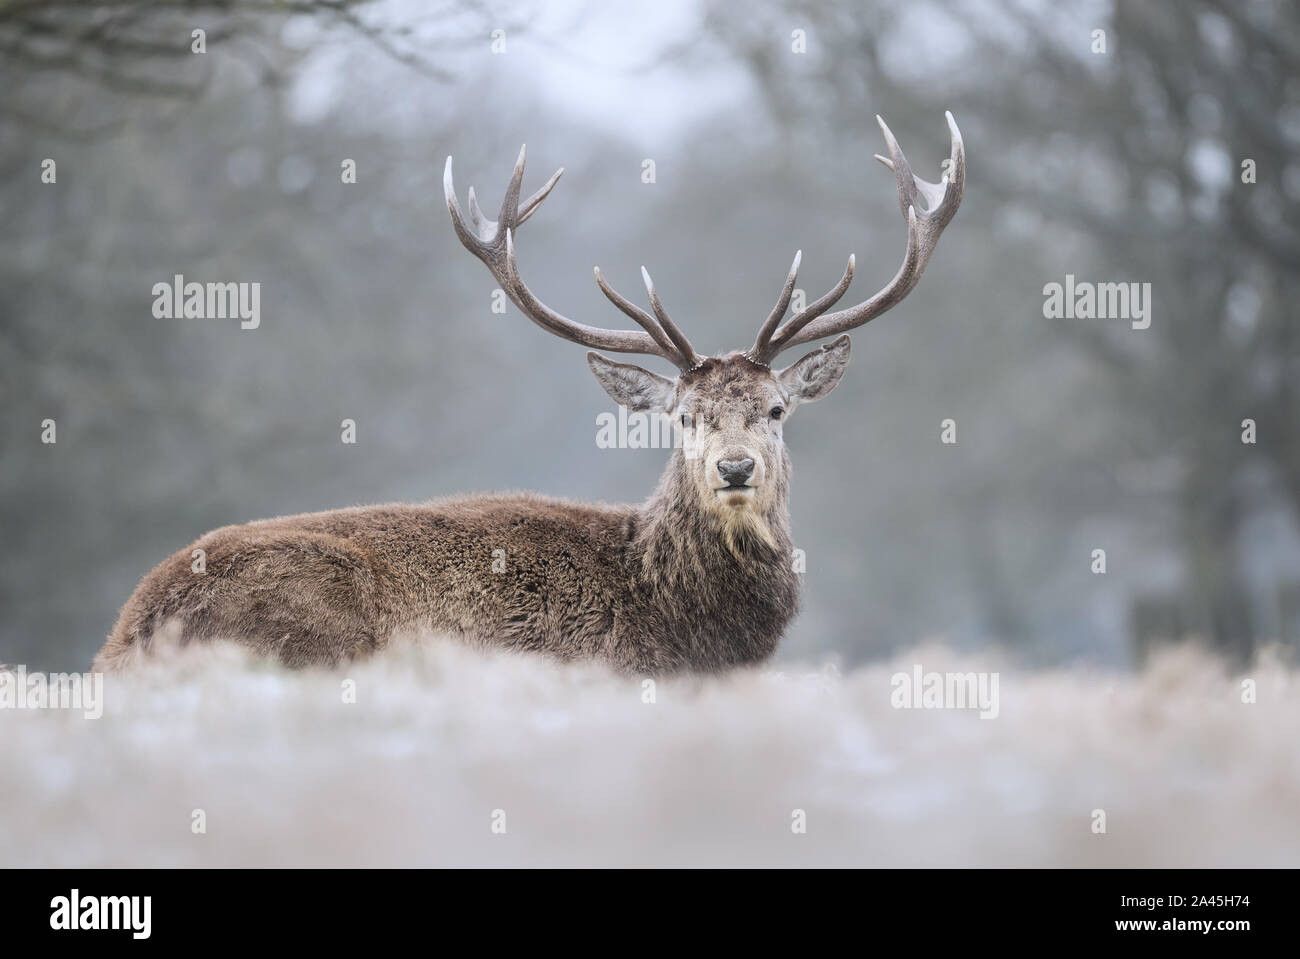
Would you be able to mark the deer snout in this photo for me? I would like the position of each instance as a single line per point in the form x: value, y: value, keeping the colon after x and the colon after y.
x: 736, y: 472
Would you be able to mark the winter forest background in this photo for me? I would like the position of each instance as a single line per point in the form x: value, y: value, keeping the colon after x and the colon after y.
x: 1117, y: 166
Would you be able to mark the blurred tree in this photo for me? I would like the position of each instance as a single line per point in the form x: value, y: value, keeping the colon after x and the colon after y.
x: 91, y: 66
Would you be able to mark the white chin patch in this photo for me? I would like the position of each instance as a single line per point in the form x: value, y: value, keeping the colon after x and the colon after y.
x: 743, y: 527
x: 736, y: 495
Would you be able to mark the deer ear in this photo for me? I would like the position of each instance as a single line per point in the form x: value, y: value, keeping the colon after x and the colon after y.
x: 631, y: 386
x: 816, y: 374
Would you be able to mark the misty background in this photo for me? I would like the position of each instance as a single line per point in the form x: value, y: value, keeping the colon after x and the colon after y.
x: 1072, y: 435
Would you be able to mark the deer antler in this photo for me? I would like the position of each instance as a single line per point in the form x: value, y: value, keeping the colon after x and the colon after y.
x: 923, y: 230
x: 492, y: 241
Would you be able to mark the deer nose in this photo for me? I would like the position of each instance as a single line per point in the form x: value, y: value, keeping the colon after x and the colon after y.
x: 736, y: 472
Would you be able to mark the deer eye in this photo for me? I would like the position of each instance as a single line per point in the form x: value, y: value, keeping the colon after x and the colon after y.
x: 686, y: 421
x: 777, y: 412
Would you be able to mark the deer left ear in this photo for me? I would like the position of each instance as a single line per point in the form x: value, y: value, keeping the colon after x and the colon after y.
x: 816, y: 374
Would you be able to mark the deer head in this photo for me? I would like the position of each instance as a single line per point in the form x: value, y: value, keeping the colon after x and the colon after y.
x: 732, y: 408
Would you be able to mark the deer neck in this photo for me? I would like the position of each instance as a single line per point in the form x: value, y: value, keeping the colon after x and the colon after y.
x: 681, y: 544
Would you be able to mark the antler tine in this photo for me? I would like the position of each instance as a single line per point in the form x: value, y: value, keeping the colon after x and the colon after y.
x: 812, y: 311
x: 529, y: 206
x: 778, y: 312
x: 492, y: 242
x: 647, y: 322
x: 475, y: 214
x: 684, y: 347
x: 940, y: 205
x: 469, y: 238
x: 509, y: 214
x: 923, y: 230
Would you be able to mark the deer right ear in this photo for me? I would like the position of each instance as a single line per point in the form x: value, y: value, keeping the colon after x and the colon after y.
x: 816, y: 374
x: 631, y: 386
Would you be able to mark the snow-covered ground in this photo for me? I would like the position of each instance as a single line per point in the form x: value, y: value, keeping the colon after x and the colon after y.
x: 444, y: 748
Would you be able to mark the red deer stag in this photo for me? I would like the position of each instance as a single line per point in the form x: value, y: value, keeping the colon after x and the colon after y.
x: 699, y: 577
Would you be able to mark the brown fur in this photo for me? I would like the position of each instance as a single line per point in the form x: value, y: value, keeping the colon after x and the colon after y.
x: 691, y: 579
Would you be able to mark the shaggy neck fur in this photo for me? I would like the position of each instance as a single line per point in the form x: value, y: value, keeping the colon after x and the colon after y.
x: 725, y: 580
